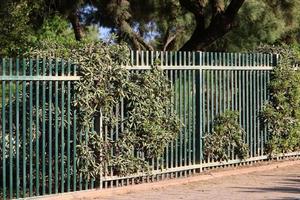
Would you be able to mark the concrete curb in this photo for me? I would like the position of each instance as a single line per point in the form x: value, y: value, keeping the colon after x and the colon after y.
x: 96, y: 193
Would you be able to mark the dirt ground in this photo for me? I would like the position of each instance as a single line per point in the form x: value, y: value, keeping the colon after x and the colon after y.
x: 274, y: 180
x: 276, y: 184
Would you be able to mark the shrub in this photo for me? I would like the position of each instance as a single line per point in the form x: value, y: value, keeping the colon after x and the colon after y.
x: 227, y: 134
x: 281, y: 114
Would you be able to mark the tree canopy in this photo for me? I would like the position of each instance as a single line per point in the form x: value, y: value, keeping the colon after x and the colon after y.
x: 216, y: 25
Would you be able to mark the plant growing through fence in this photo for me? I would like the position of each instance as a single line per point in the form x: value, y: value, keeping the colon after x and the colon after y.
x: 149, y: 125
x: 226, y: 135
x: 281, y: 115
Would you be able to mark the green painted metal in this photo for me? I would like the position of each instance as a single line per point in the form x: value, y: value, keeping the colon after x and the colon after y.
x: 24, y: 141
x: 3, y: 131
x: 50, y: 130
x: 30, y: 129
x: 37, y: 126
x: 10, y: 134
x: 17, y: 131
x: 44, y: 130
x: 39, y: 123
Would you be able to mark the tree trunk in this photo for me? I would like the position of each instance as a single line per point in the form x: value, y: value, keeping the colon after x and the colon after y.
x: 74, y: 19
x: 202, y: 38
x: 221, y: 23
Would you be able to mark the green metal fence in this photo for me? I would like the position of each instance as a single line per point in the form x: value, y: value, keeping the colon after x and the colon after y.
x: 204, y: 85
x: 37, y: 127
x: 38, y: 124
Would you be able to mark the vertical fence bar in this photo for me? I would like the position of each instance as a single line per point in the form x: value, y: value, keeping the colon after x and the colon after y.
x: 268, y: 91
x: 251, y: 113
x: 224, y: 90
x: 189, y: 119
x: 228, y: 95
x: 236, y: 90
x: 201, y: 113
x: 24, y: 120
x: 50, y: 126
x: 259, y: 105
x: 232, y: 92
x: 4, y: 129
x: 44, y: 129
x: 180, y: 115
x: 216, y: 82
x: 240, y: 91
x: 177, y: 111
x: 262, y: 102
x: 74, y: 149
x: 198, y: 113
x: 11, y: 136
x: 62, y: 175
x: 17, y: 131
x: 212, y: 108
x: 208, y: 90
x: 244, y: 106
x: 37, y: 127
x: 193, y: 111
x: 248, y: 96
x: 246, y: 85
x: 221, y: 100
x: 68, y: 128
x: 194, y: 117
x: 172, y: 111
x: 30, y: 129
x: 254, y: 112
x: 184, y: 113
x: 56, y: 129
x: 86, y: 138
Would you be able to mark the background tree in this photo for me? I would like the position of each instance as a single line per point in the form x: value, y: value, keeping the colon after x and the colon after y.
x: 24, y: 23
x: 215, y: 25
x: 199, y: 25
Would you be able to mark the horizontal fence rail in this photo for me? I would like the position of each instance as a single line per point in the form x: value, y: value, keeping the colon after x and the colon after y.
x: 39, y: 128
x: 140, y: 59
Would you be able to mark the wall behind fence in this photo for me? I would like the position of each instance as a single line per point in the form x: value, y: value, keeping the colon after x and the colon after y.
x: 38, y: 126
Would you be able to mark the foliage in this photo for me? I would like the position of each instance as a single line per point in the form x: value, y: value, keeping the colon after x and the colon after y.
x: 148, y: 125
x: 281, y: 114
x: 58, y: 30
x: 227, y: 134
x: 14, y: 29
x: 262, y: 22
x: 258, y: 22
x: 155, y: 24
x: 26, y: 23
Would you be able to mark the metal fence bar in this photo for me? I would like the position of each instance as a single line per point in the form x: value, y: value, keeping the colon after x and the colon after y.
x: 17, y: 117
x: 4, y: 130
x: 11, y: 137
x: 44, y: 129
x: 50, y: 130
x: 37, y: 128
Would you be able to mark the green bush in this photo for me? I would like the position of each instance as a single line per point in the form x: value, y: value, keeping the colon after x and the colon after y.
x: 227, y: 134
x: 281, y: 114
x: 149, y: 125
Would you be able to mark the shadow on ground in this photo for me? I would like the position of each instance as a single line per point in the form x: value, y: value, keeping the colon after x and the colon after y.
x: 289, y: 185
